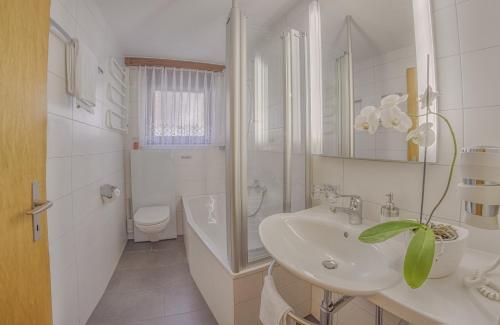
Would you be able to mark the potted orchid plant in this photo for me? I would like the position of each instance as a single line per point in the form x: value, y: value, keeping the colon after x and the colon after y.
x: 421, y: 250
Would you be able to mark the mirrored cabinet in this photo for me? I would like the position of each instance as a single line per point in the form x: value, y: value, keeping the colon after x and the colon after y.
x: 367, y: 61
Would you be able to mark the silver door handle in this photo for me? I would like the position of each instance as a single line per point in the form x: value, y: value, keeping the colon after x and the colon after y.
x: 40, y: 207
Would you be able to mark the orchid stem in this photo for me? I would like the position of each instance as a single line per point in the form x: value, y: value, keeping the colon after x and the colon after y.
x: 452, y: 167
x: 424, y: 174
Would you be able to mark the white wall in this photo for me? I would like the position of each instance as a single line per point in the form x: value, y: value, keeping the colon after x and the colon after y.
x: 200, y: 170
x: 468, y: 63
x: 86, y: 237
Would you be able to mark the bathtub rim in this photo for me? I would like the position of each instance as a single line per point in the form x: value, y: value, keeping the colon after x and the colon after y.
x: 252, y: 268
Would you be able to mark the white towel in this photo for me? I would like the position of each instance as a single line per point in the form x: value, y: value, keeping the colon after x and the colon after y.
x: 81, y: 72
x: 273, y: 309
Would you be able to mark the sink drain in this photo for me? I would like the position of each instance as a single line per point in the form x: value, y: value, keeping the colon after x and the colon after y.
x: 330, y: 264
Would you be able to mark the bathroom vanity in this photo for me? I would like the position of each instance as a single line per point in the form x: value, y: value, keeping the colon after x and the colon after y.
x: 301, y: 242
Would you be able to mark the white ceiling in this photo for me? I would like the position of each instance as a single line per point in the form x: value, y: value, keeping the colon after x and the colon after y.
x: 379, y: 26
x: 182, y: 29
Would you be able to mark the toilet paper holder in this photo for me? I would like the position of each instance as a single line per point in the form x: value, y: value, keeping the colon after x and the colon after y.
x: 109, y: 192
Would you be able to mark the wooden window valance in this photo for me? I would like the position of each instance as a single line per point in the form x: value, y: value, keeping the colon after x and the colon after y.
x: 131, y: 61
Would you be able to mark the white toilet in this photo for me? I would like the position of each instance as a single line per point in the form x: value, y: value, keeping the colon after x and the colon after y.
x: 153, y: 195
x: 152, y: 221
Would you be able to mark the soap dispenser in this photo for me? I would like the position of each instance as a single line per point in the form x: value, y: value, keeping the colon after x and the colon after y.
x: 389, y: 211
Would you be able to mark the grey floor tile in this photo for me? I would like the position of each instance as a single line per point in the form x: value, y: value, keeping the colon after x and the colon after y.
x: 129, y: 307
x: 168, y: 257
x: 133, y: 246
x: 183, y: 299
x: 130, y: 280
x: 311, y: 318
x: 150, y: 279
x: 171, y: 276
x: 175, y: 244
x: 151, y: 286
x: 199, y: 317
x: 93, y: 322
x: 150, y: 259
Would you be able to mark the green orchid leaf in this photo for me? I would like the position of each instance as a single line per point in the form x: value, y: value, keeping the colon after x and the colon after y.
x: 386, y: 230
x: 419, y: 257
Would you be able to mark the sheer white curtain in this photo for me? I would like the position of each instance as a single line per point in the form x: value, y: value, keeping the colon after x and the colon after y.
x: 179, y: 107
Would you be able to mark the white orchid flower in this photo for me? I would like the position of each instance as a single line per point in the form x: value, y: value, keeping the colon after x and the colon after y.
x: 395, y: 118
x: 432, y: 96
x: 368, y: 120
x: 391, y: 101
x: 424, y: 135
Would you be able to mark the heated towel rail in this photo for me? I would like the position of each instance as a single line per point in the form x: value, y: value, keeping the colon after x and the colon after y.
x: 120, y: 76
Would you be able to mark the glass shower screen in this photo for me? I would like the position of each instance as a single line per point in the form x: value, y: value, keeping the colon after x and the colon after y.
x: 276, y: 111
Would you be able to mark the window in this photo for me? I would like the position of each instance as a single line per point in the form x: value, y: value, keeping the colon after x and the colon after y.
x: 180, y: 107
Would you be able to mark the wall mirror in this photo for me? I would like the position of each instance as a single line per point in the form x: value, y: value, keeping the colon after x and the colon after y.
x: 370, y: 50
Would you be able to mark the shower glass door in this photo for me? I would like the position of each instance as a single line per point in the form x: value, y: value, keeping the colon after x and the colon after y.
x: 276, y: 111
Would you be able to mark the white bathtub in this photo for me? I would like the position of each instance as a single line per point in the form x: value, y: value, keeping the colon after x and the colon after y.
x: 206, y: 215
x: 233, y: 298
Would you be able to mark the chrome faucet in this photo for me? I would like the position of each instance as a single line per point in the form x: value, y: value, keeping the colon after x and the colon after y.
x: 355, y: 209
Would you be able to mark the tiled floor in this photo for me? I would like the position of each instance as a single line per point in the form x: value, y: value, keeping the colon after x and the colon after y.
x: 152, y: 286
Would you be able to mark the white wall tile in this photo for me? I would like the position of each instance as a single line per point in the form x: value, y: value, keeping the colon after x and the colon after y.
x: 70, y: 5
x: 85, y: 201
x: 449, y: 73
x: 479, y: 24
x: 58, y: 177
x: 486, y: 120
x: 58, y: 102
x: 63, y: 17
x: 94, y: 119
x: 86, y: 169
x: 439, y: 4
x: 86, y: 237
x: 58, y: 143
x: 445, y: 149
x: 481, y: 77
x: 361, y: 177
x: 450, y: 207
x: 446, y: 31
x: 353, y: 314
x: 57, y: 56
x: 60, y: 218
x: 62, y: 252
x: 65, y: 296
x: 328, y: 171
x: 86, y: 139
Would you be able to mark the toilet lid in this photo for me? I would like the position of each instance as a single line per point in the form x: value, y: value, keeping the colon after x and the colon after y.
x: 152, y: 215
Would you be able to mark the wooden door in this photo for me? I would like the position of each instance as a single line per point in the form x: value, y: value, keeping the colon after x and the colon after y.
x: 24, y: 263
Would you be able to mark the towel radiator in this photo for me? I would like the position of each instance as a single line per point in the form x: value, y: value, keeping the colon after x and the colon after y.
x: 120, y: 77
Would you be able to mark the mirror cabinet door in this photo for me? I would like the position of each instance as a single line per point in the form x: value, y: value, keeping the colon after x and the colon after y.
x: 373, y: 74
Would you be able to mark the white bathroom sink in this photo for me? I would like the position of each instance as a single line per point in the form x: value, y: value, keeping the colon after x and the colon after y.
x: 301, y: 242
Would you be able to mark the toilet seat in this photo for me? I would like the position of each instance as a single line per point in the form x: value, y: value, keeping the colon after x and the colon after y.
x: 152, y: 216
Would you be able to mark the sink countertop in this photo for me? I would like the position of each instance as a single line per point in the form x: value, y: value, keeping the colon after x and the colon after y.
x: 446, y: 300
x: 438, y: 301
